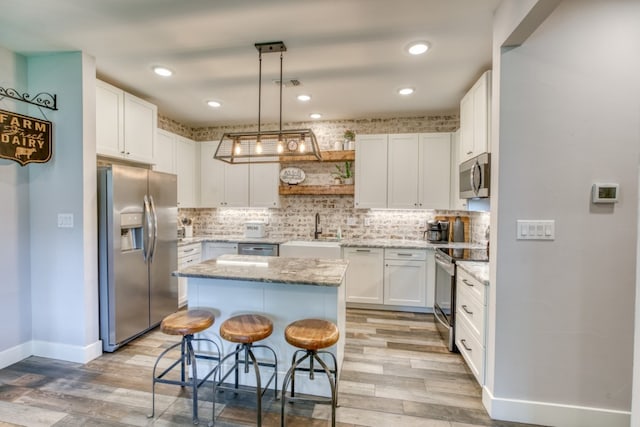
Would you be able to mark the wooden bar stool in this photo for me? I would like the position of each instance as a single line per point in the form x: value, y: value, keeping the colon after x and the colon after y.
x: 245, y: 330
x: 185, y: 323
x: 311, y: 335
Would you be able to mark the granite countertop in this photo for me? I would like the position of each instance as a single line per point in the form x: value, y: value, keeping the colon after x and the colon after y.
x: 305, y: 271
x: 369, y: 243
x: 478, y: 270
x: 231, y: 239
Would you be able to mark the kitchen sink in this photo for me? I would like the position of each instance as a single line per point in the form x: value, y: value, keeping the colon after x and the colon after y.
x: 311, y: 249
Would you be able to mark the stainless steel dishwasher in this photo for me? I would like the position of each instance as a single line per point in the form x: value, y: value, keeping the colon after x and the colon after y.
x: 264, y: 249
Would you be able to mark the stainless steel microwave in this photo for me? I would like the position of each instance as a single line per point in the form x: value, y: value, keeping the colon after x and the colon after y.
x: 475, y: 177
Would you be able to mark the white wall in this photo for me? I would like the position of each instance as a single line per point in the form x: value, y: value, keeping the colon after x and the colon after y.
x: 64, y: 260
x: 563, y: 311
x: 15, y: 304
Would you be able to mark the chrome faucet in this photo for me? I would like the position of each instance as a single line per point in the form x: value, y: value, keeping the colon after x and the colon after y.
x: 317, y: 232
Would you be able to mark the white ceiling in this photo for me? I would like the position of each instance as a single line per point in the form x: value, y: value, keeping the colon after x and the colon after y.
x: 348, y: 54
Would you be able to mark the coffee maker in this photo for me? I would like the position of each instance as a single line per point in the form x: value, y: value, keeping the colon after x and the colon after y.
x: 437, y: 231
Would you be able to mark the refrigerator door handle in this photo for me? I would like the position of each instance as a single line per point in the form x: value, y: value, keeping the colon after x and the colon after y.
x: 146, y: 242
x: 155, y: 229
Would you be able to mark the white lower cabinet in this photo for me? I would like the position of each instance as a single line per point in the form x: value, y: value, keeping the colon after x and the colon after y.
x: 365, y: 275
x: 212, y: 250
x: 393, y: 277
x: 471, y: 315
x: 187, y: 255
x: 405, y: 277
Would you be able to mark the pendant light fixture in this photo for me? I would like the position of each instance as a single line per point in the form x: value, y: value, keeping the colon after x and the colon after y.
x: 268, y: 146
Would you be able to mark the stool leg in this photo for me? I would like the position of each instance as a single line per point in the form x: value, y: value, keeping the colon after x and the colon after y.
x: 333, y: 386
x: 156, y: 377
x: 256, y: 368
x: 275, y: 369
x: 288, y: 376
x: 191, y: 360
x: 220, y: 379
x: 335, y: 371
x: 293, y: 377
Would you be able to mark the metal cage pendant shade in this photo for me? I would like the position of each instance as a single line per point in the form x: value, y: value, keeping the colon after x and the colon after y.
x: 268, y: 146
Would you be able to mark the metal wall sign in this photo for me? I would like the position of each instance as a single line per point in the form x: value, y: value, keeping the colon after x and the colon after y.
x: 24, y: 139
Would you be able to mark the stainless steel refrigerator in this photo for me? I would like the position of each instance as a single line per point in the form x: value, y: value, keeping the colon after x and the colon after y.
x: 137, y: 222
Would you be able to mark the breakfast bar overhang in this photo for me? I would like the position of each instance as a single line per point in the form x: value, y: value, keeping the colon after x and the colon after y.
x: 284, y: 290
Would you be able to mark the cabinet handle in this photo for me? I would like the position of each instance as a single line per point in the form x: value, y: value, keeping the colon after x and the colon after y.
x: 363, y: 250
x: 464, y: 307
x: 404, y: 254
x: 466, y: 282
x: 464, y: 344
x: 469, y: 152
x: 189, y: 250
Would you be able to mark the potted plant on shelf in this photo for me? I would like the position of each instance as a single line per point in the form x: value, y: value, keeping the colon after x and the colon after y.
x: 344, y: 174
x: 349, y: 139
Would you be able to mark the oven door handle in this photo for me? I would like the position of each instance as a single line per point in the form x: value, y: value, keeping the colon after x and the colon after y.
x: 448, y: 267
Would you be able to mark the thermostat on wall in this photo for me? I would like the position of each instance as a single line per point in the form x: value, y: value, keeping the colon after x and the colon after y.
x: 604, y: 193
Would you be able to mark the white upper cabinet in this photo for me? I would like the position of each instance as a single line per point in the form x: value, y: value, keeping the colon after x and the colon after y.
x: 211, y: 176
x: 434, y: 172
x: 403, y: 164
x: 164, y: 152
x: 188, y: 171
x: 264, y: 179
x: 371, y: 171
x: 475, y: 119
x: 419, y: 171
x: 243, y: 185
x: 456, y: 202
x: 125, y: 124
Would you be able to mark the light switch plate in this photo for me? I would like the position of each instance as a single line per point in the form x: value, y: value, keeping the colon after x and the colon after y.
x: 352, y: 221
x: 65, y: 220
x: 528, y: 229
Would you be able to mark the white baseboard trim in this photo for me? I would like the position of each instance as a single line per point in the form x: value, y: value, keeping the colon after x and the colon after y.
x: 70, y: 353
x: 15, y: 354
x: 552, y: 414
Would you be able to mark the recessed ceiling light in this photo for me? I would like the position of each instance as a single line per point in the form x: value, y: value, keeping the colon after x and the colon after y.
x: 213, y: 104
x: 405, y: 91
x: 304, y: 98
x: 315, y: 115
x: 418, y: 48
x: 162, y: 71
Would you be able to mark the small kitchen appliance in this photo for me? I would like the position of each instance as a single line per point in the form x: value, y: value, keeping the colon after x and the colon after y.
x: 255, y: 229
x: 437, y: 231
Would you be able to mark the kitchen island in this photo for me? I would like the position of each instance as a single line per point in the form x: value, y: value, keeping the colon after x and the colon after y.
x: 283, y: 289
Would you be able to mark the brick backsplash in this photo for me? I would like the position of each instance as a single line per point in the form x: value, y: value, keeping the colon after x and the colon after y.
x: 327, y: 131
x: 296, y: 215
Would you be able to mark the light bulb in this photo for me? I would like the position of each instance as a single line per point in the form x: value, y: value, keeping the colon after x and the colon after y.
x: 280, y: 147
x: 237, y: 150
x: 302, y: 149
x: 258, y: 147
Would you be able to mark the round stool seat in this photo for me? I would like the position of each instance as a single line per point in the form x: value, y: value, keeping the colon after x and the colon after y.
x: 187, y: 322
x: 311, y: 334
x: 246, y: 328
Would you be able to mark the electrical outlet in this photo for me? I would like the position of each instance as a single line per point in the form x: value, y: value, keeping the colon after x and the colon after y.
x: 422, y: 223
x: 352, y: 221
x: 65, y: 220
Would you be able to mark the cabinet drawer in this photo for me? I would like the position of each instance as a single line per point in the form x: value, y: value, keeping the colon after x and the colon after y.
x: 469, y: 308
x: 470, y: 349
x: 189, y: 260
x: 189, y: 250
x: 406, y: 254
x: 476, y: 289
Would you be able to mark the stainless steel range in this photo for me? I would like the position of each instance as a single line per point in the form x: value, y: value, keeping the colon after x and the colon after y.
x: 445, y: 298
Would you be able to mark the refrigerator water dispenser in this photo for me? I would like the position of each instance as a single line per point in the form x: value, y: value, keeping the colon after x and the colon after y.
x: 130, y: 231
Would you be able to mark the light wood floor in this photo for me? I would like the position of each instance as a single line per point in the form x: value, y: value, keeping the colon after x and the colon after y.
x: 396, y: 372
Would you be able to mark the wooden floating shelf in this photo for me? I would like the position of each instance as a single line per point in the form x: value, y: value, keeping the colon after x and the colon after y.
x: 327, y: 190
x: 327, y: 156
